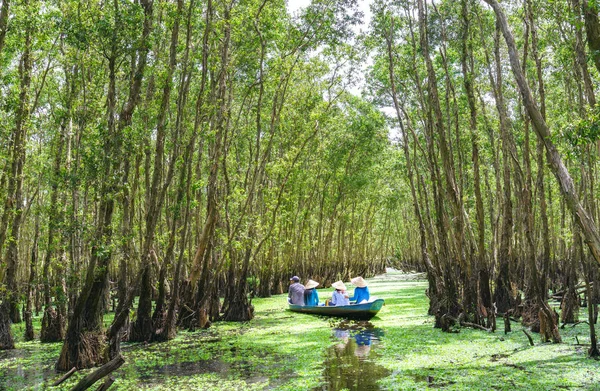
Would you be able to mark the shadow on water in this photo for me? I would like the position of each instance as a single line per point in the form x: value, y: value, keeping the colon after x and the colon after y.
x: 350, y: 363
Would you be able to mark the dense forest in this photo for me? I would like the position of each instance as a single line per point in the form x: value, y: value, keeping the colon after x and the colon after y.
x: 170, y: 160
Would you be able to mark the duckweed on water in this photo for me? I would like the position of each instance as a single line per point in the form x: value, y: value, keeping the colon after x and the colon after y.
x: 281, y: 350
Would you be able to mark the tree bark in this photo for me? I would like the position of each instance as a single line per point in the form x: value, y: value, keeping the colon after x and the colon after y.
x: 3, y: 22
x: 99, y: 373
x: 28, y: 314
x: 14, y: 201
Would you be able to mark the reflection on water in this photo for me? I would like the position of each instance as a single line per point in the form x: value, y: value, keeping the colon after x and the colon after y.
x: 350, y: 363
x: 21, y: 377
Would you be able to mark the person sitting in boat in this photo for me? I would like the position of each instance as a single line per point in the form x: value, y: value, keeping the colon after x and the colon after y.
x: 361, y: 292
x: 340, y: 297
x: 311, y: 297
x: 296, y: 291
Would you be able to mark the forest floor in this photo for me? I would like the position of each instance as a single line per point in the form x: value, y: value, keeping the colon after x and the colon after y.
x: 281, y: 350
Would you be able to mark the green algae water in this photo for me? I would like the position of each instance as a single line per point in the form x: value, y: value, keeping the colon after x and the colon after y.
x: 281, y: 350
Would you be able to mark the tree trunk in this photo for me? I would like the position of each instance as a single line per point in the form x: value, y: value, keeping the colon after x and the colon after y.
x: 28, y: 313
x: 484, y: 307
x: 433, y: 274
x: 14, y: 200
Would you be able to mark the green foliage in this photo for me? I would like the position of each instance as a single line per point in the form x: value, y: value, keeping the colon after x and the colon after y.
x: 583, y: 132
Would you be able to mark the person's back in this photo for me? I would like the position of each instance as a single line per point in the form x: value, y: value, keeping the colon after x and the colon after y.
x: 296, y: 291
x: 361, y: 294
x: 311, y: 297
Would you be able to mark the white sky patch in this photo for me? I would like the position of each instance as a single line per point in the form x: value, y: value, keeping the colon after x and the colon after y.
x: 295, y: 5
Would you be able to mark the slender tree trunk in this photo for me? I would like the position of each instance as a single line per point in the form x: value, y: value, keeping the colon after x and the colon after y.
x: 53, y: 322
x: 202, y: 257
x: 3, y: 22
x: 484, y: 297
x: 437, y: 123
x: 28, y: 313
x: 14, y: 201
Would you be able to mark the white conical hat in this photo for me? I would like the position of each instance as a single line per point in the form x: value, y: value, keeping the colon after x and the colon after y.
x: 359, y: 282
x: 339, y: 285
x: 311, y: 284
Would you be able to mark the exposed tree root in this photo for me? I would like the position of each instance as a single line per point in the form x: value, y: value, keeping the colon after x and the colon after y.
x: 89, y: 351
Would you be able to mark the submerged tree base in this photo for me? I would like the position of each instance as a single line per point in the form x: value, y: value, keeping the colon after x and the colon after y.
x: 53, y: 326
x: 88, y: 351
x: 6, y: 339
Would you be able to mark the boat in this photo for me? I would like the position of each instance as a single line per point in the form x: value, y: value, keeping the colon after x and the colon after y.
x: 362, y: 311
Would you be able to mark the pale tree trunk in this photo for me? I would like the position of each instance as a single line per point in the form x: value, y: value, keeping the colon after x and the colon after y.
x: 484, y: 297
x: 13, y: 209
x: 502, y: 293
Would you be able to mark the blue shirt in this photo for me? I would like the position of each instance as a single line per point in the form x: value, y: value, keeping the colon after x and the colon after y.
x: 311, y: 297
x: 361, y: 294
x: 339, y: 299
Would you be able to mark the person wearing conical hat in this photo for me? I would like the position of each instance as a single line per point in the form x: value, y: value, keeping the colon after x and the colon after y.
x: 361, y: 292
x: 311, y: 297
x: 340, y: 297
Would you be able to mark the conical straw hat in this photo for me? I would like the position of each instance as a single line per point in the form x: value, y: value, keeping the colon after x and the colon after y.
x: 339, y: 285
x: 359, y: 282
x: 311, y: 284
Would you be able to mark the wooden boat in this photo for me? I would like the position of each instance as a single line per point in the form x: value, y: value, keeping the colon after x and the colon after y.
x: 363, y: 311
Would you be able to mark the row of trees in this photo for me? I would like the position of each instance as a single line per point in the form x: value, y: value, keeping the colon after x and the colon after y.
x: 180, y: 152
x: 496, y: 232
x: 192, y: 154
